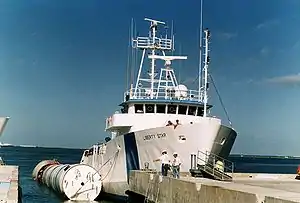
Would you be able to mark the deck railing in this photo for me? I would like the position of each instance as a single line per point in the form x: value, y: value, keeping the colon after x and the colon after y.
x: 163, y: 94
x: 148, y: 43
x: 218, y: 165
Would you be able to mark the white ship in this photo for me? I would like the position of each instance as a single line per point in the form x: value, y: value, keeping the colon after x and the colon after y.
x: 140, y: 132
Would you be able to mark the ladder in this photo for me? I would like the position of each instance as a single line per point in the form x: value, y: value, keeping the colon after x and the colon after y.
x: 209, y: 165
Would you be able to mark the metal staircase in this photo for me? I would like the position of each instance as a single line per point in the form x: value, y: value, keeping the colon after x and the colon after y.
x: 209, y: 165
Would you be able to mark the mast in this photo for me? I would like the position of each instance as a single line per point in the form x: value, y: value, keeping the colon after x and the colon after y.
x: 153, y: 44
x: 153, y: 28
x: 200, y: 75
x: 206, y: 62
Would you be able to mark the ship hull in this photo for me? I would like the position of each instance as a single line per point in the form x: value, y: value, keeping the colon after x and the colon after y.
x: 134, y: 150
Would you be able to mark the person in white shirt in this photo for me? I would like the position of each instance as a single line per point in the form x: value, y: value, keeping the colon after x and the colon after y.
x: 165, y: 162
x: 176, y: 163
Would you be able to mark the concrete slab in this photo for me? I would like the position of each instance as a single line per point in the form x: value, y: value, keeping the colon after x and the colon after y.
x: 242, y: 189
x: 9, y: 183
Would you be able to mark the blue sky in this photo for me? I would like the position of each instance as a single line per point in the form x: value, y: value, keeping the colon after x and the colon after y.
x: 63, y: 66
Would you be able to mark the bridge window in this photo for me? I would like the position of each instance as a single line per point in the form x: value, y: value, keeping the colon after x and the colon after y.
x: 149, y: 108
x: 139, y: 108
x: 192, y: 110
x: 172, y: 109
x: 182, y: 109
x: 200, y: 111
x: 160, y: 108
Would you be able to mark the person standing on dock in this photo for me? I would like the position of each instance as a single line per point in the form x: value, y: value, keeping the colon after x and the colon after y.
x: 176, y: 165
x: 165, y: 162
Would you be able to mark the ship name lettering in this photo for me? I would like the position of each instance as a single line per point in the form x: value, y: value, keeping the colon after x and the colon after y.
x: 161, y: 135
x: 153, y: 136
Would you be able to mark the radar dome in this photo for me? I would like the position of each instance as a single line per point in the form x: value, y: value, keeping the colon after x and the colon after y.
x: 182, y: 87
x: 181, y: 91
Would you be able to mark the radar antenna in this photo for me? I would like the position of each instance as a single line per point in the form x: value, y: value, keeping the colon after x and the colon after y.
x: 167, y: 59
x: 154, y: 22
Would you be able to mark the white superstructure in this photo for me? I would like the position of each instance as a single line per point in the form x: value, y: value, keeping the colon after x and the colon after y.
x: 140, y: 131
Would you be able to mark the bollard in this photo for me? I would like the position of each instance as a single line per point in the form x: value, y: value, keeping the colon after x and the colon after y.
x: 78, y: 182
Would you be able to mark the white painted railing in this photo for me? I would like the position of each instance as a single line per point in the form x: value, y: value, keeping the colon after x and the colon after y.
x: 148, y: 43
x: 163, y: 94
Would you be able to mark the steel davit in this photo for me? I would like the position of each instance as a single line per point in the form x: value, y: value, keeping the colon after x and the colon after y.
x: 78, y: 182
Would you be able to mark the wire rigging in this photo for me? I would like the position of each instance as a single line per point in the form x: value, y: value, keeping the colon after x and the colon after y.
x: 220, y: 98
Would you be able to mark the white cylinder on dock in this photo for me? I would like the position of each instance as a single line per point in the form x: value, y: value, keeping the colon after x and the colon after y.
x: 77, y: 181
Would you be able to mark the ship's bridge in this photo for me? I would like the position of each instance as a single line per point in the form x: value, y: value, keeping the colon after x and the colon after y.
x: 139, y: 111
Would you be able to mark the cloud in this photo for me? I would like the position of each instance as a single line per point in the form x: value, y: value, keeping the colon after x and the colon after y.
x: 293, y: 79
x: 267, y: 24
x: 227, y: 35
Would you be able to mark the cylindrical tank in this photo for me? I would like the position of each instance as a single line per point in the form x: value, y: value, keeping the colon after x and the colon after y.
x: 40, y: 167
x: 79, y: 182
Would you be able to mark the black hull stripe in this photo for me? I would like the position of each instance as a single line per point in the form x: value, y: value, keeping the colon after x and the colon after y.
x: 131, y: 152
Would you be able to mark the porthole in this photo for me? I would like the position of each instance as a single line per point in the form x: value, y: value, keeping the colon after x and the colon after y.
x: 172, y: 109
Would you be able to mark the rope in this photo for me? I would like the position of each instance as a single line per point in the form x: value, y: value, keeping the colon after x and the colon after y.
x: 115, y: 156
x: 221, y: 101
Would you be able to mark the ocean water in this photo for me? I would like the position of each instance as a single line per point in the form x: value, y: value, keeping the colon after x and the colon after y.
x: 27, y: 158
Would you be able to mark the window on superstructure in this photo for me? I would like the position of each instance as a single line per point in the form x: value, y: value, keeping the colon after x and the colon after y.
x: 182, y: 109
x: 160, y: 108
x: 192, y: 110
x: 200, y: 111
x: 172, y: 109
x: 139, y: 108
x: 149, y: 108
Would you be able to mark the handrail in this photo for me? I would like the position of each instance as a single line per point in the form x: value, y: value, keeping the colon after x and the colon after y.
x: 210, y: 161
x: 159, y: 43
x: 163, y: 93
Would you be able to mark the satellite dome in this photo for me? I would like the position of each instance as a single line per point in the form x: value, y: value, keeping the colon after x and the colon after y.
x: 182, y: 88
x: 181, y: 91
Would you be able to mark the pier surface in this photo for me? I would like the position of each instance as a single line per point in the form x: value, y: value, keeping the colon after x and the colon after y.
x: 246, y: 188
x: 9, y: 183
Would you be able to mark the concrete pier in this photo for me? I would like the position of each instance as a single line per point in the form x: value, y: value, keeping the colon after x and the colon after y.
x: 246, y: 188
x: 9, y: 184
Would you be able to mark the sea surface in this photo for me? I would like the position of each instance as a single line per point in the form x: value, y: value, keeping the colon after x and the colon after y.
x: 27, y: 158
